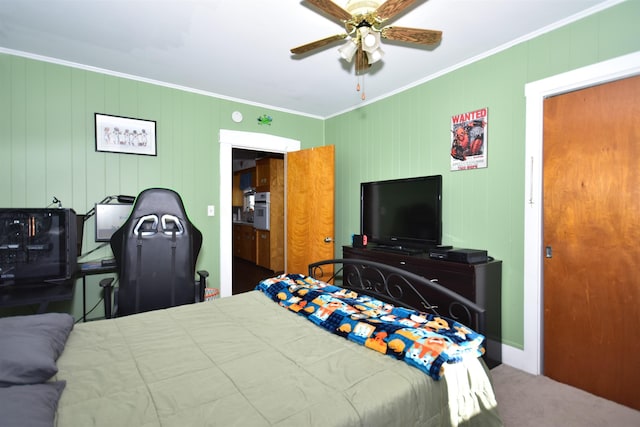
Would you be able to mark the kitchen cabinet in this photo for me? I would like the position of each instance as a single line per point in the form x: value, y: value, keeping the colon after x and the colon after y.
x: 244, y: 242
x: 247, y: 179
x: 242, y: 180
x: 262, y: 175
x: 237, y: 239
x: 263, y: 248
x: 236, y: 191
x: 269, y: 174
x: 269, y: 250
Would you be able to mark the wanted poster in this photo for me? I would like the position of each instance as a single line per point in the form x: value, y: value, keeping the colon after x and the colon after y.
x: 469, y: 140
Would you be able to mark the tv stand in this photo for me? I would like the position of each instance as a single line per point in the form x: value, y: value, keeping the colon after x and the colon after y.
x: 480, y: 283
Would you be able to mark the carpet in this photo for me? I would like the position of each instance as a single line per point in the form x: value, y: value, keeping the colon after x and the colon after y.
x: 532, y: 400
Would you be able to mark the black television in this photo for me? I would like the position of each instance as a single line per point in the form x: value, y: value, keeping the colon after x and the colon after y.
x: 37, y: 245
x: 402, y: 214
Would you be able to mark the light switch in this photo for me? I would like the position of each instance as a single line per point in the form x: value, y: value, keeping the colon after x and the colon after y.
x: 211, y: 210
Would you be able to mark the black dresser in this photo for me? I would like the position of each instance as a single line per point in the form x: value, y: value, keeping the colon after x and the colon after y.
x: 480, y: 283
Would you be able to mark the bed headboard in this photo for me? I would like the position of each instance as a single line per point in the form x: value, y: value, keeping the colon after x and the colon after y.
x: 400, y: 287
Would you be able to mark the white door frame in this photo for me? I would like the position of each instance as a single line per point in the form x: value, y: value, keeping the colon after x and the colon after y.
x: 230, y: 139
x: 531, y: 358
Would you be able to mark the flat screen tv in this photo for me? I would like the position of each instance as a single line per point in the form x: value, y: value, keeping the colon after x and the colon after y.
x: 37, y: 245
x: 402, y: 214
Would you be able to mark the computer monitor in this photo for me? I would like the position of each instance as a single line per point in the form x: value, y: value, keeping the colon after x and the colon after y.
x: 109, y: 218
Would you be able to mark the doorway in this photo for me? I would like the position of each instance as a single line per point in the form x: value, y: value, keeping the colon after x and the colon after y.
x: 530, y: 358
x: 246, y: 273
x: 229, y: 140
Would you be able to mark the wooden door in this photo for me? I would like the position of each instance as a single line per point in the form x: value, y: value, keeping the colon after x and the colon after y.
x: 592, y: 230
x: 310, y: 207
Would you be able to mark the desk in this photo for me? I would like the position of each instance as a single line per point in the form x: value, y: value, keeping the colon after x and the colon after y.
x: 90, y: 268
x: 40, y: 293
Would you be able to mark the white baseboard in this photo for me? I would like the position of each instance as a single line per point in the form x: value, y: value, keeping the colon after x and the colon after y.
x: 518, y: 359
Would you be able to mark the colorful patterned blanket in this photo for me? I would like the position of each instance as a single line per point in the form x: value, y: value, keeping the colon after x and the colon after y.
x: 425, y: 341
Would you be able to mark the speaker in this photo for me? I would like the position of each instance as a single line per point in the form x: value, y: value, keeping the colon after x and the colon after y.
x: 359, y: 240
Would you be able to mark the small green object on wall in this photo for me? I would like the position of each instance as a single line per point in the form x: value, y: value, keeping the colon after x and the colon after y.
x: 265, y: 120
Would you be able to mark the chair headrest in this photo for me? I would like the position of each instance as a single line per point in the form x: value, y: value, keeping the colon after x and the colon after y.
x: 158, y: 201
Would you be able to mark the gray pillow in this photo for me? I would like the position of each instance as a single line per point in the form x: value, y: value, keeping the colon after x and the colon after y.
x: 30, y: 346
x: 30, y: 405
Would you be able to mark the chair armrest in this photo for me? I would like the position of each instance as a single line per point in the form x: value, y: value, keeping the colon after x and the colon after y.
x: 201, y: 284
x: 107, y: 286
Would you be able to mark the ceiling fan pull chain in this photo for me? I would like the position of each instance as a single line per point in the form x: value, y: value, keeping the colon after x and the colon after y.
x: 358, y: 75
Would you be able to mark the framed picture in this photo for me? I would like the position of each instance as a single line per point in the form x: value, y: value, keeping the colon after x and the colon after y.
x: 117, y: 134
x: 469, y: 147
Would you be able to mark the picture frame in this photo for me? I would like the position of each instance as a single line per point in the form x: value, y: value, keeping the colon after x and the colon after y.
x: 469, y: 145
x: 127, y: 135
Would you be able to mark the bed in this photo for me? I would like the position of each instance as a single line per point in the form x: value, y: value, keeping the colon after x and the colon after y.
x: 249, y: 361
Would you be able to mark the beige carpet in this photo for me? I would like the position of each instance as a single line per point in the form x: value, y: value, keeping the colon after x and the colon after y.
x: 530, y: 400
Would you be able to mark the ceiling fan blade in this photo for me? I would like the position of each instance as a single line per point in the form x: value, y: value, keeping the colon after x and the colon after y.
x: 412, y: 35
x: 317, y: 44
x: 391, y: 8
x: 332, y: 9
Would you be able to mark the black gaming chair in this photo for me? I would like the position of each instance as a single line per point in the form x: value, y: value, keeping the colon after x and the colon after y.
x: 155, y: 252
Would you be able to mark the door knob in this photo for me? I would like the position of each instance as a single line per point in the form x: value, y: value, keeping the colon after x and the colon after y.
x: 328, y: 240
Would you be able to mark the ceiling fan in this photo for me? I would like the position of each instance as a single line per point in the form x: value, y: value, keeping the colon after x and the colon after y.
x: 363, y: 21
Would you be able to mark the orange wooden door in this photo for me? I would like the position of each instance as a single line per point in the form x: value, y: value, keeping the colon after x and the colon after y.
x: 310, y: 207
x: 592, y: 228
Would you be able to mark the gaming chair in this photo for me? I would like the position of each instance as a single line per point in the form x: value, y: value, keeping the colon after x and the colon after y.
x: 155, y: 252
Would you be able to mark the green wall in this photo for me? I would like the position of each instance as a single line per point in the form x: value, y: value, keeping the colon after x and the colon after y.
x: 409, y: 135
x: 47, y: 147
x: 47, y: 142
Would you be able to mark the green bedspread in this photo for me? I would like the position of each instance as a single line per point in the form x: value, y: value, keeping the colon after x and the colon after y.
x: 423, y: 340
x: 244, y: 361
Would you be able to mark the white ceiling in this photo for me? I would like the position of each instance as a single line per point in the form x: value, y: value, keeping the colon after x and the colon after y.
x: 239, y: 49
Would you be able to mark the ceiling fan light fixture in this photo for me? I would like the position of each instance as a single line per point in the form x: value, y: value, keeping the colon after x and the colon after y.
x: 370, y: 41
x: 375, y: 56
x: 348, y: 50
x: 362, y: 7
